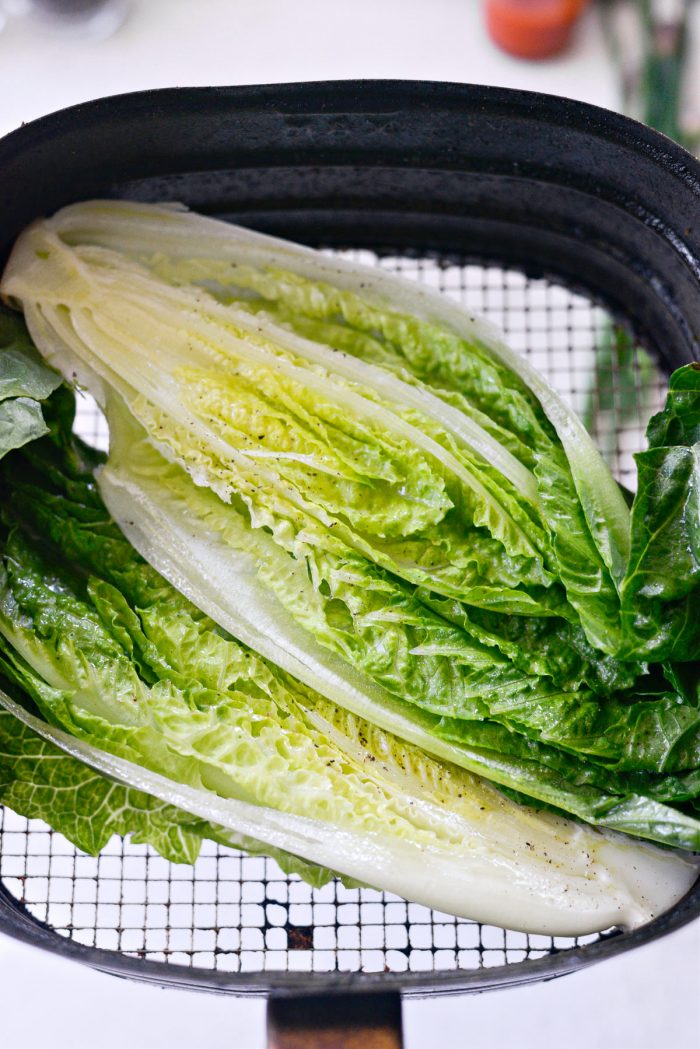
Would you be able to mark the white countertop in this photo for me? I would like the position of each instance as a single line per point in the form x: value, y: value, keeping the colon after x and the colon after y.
x: 647, y: 1000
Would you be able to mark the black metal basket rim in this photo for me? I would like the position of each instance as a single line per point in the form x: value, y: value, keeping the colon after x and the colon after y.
x: 24, y: 927
x: 375, y: 96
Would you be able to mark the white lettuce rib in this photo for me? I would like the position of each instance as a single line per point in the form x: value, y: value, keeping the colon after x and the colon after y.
x: 136, y: 229
x: 182, y: 234
x: 391, y: 388
x: 100, y: 332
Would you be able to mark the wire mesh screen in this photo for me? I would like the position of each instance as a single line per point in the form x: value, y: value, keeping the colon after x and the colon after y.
x: 236, y: 913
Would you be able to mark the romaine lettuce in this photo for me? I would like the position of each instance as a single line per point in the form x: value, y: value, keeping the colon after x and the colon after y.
x: 389, y: 528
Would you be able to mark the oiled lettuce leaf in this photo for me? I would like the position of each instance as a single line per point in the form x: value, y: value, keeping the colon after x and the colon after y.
x: 24, y: 382
x: 578, y: 502
x: 40, y: 781
x: 184, y: 317
x: 453, y: 669
x: 21, y: 421
x: 22, y: 371
x: 596, y: 884
x: 661, y: 591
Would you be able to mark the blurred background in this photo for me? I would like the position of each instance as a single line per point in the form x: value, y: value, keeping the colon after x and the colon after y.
x: 641, y: 57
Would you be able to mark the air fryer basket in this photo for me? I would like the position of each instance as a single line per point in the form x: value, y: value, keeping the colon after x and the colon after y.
x: 546, y: 215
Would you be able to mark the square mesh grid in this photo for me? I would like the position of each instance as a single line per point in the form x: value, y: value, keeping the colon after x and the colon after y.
x: 236, y: 913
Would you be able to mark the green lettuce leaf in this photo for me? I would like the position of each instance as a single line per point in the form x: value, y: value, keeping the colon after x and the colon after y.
x: 598, y: 883
x: 39, y: 781
x: 21, y: 421
x: 590, y: 536
x: 630, y: 795
x: 22, y: 370
x: 24, y: 382
x: 321, y: 440
x: 661, y: 591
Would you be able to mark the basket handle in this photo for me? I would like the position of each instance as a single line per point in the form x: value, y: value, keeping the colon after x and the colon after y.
x: 345, y: 1021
